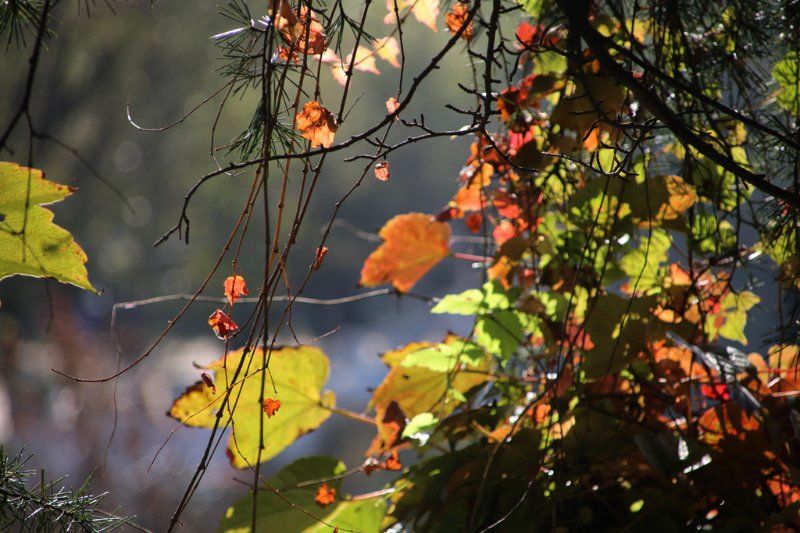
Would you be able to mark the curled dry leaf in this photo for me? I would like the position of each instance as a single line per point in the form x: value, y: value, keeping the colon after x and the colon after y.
x: 235, y: 288
x: 325, y: 495
x: 271, y: 406
x: 222, y: 324
x: 316, y: 124
x: 455, y: 19
x: 413, y: 244
x: 319, y: 258
x: 382, y: 171
x: 208, y: 382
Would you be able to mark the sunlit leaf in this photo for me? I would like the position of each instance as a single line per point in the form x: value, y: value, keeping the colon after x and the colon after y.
x: 413, y: 244
x: 298, y: 374
x: 30, y: 243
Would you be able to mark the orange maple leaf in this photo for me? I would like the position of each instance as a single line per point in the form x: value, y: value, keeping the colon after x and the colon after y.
x: 222, y: 324
x: 413, y: 244
x: 325, y: 495
x: 235, y: 288
x: 271, y: 406
x: 304, y: 34
x: 316, y: 124
x: 456, y: 18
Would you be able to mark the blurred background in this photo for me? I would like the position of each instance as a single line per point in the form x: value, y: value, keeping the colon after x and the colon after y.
x: 161, y: 59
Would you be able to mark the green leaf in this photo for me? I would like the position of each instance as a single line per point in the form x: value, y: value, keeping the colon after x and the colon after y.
x: 643, y: 265
x: 444, y: 357
x: 420, y: 427
x: 302, y: 514
x: 786, y: 73
x: 30, y: 244
x: 501, y: 332
x: 298, y: 374
x: 475, y: 301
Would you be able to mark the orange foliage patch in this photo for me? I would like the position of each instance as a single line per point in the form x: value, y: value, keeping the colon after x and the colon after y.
x: 456, y: 18
x: 413, y: 244
x: 325, y: 495
x: 382, y: 171
x: 316, y: 124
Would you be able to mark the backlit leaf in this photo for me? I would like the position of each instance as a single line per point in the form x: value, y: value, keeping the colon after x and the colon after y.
x: 298, y: 375
x: 413, y: 244
x: 30, y: 243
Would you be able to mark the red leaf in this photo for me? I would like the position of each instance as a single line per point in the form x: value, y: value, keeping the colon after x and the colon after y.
x: 222, y: 324
x: 715, y: 391
x: 271, y: 407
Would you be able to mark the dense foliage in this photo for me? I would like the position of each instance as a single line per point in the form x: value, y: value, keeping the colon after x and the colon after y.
x: 632, y: 183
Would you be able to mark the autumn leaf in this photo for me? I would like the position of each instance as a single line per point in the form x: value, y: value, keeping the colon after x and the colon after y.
x: 30, y: 244
x: 382, y: 171
x: 303, y: 34
x: 298, y: 374
x: 392, y: 105
x: 316, y: 124
x: 325, y: 495
x: 271, y: 407
x: 235, y: 288
x: 413, y: 244
x: 410, y: 390
x: 455, y: 19
x: 389, y: 50
x: 222, y: 324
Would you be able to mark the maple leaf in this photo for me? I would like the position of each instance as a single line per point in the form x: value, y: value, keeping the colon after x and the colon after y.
x: 271, y: 407
x: 30, y: 244
x: 298, y: 374
x: 382, y: 171
x: 316, y: 124
x: 364, y: 60
x: 325, y: 495
x: 456, y: 17
x: 222, y: 324
x: 235, y: 288
x: 413, y: 244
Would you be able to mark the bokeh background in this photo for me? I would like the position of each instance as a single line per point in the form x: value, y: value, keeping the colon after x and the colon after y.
x: 160, y: 58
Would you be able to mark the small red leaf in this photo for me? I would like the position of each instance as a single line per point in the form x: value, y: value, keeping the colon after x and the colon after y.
x: 715, y: 391
x: 271, y: 406
x: 222, y: 324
